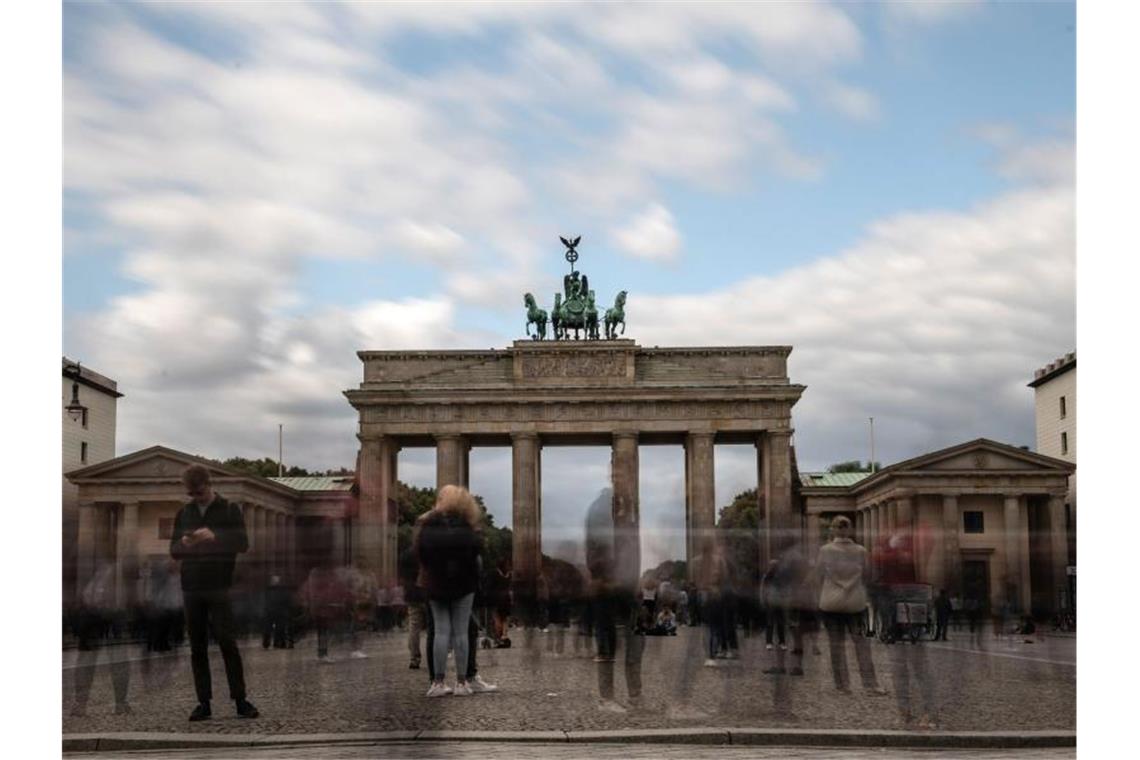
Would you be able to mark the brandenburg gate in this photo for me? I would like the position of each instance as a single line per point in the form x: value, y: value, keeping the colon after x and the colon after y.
x: 541, y: 393
x: 585, y: 389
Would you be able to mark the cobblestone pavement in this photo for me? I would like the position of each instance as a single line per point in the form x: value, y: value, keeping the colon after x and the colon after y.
x: 567, y: 752
x: 1012, y: 686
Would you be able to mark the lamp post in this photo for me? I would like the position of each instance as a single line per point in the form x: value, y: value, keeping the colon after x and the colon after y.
x: 75, y: 410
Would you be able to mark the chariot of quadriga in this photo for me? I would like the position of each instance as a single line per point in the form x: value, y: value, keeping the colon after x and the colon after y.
x: 575, y: 308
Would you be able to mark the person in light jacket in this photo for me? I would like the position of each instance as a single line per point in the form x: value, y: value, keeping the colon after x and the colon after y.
x: 843, y: 571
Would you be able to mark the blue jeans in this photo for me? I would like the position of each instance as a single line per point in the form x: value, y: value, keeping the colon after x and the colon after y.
x: 450, y: 617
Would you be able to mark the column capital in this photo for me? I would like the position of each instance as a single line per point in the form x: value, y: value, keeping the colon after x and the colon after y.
x: 448, y: 436
x: 949, y: 498
x: 625, y: 435
x: 524, y: 435
x: 701, y: 434
x: 778, y: 432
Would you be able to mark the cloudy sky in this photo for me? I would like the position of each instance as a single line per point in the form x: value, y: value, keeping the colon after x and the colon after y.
x: 254, y: 192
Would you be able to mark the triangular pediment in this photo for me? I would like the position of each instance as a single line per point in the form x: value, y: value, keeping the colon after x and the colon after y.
x: 982, y: 455
x: 157, y: 462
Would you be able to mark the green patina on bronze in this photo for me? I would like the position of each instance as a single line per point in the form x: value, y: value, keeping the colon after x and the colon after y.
x: 575, y: 308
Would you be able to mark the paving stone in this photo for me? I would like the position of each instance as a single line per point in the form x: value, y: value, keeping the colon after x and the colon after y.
x: 1012, y: 687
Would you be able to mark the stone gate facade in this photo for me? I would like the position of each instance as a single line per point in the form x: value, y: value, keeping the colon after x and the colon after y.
x: 548, y: 393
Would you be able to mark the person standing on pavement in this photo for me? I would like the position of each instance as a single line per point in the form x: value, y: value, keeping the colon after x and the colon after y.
x: 792, y: 604
x: 942, y: 610
x: 474, y: 680
x: 209, y: 533
x: 417, y: 603
x: 772, y: 599
x: 499, y: 597
x: 613, y: 597
x: 448, y: 545
x: 842, y: 599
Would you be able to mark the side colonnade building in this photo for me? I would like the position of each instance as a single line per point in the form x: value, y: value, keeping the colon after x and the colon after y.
x: 986, y: 520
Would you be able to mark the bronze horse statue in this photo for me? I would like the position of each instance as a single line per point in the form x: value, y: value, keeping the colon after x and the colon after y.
x: 535, y: 316
x: 614, y: 316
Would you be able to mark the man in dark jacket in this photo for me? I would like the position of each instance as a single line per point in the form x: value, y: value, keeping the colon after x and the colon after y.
x: 208, y: 534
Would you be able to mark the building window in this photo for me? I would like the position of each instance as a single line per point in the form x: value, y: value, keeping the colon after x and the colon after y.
x: 84, y: 419
x: 974, y: 522
x: 165, y: 528
x: 1063, y: 410
x: 1064, y: 443
x: 83, y: 452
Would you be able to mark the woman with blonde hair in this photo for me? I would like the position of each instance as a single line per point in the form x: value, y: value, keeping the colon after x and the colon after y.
x: 447, y: 544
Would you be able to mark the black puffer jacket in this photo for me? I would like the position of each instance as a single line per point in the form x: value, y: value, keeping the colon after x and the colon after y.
x: 448, y: 551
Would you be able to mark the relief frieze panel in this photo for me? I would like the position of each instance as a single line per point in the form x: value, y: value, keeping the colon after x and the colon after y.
x: 563, y: 365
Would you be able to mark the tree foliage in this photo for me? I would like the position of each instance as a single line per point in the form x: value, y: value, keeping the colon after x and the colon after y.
x: 264, y: 468
x: 738, y: 527
x: 854, y: 465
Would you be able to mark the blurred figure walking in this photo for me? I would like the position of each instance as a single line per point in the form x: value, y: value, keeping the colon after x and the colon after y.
x: 843, y: 574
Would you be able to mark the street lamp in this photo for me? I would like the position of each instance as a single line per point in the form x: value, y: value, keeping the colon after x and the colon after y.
x: 75, y: 410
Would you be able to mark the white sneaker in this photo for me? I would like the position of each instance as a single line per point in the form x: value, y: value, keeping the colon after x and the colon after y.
x: 610, y: 706
x: 710, y: 663
x: 783, y: 647
x: 358, y: 655
x: 438, y: 690
x: 463, y: 690
x: 326, y: 660
x: 479, y: 686
x: 768, y: 647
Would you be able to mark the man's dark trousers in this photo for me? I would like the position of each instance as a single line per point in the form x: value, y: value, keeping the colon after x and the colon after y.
x: 206, y: 610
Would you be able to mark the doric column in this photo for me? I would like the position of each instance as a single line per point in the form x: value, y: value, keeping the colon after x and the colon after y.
x: 700, y: 494
x: 861, y: 527
x: 281, y: 544
x: 339, y: 548
x: 891, y: 513
x: 903, y: 506
x: 291, y: 543
x: 776, y: 483
x: 873, y: 518
x: 1012, y: 526
x: 255, y: 522
x: 373, y: 547
x: 450, y: 460
x: 627, y: 508
x: 1058, y: 551
x: 525, y: 525
x: 127, y: 553
x: 814, y: 531
x: 951, y: 547
x: 85, y: 554
x: 271, y: 542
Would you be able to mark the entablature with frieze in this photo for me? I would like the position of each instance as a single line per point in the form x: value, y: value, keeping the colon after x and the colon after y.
x: 991, y: 483
x: 644, y: 411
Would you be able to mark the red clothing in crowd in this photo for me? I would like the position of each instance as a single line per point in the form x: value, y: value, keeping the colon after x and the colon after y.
x: 893, y: 560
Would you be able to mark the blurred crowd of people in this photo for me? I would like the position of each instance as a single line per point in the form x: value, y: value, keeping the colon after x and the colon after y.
x: 449, y: 605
